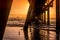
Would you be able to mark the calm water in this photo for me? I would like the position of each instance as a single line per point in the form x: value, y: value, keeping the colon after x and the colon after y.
x: 12, y: 33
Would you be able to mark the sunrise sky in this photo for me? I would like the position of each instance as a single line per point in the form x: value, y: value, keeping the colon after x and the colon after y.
x: 20, y: 8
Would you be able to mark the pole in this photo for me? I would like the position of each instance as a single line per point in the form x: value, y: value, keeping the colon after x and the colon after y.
x: 5, y: 6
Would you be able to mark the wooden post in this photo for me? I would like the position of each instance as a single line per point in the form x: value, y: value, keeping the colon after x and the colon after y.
x: 5, y: 6
x: 48, y: 21
x: 57, y: 18
x: 48, y: 17
x: 44, y: 17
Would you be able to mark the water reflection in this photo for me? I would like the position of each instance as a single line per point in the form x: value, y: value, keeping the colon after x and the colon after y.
x: 48, y: 34
x: 11, y: 33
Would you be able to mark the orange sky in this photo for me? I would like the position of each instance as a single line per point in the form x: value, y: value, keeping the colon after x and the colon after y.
x: 20, y: 8
x: 53, y: 10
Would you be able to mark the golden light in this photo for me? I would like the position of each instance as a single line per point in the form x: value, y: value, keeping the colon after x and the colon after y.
x: 19, y: 8
x: 53, y: 10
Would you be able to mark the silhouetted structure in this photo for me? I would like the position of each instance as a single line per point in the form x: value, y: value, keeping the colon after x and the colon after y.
x: 36, y: 31
x: 58, y: 19
x: 37, y: 9
x: 34, y: 10
x: 5, y: 6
